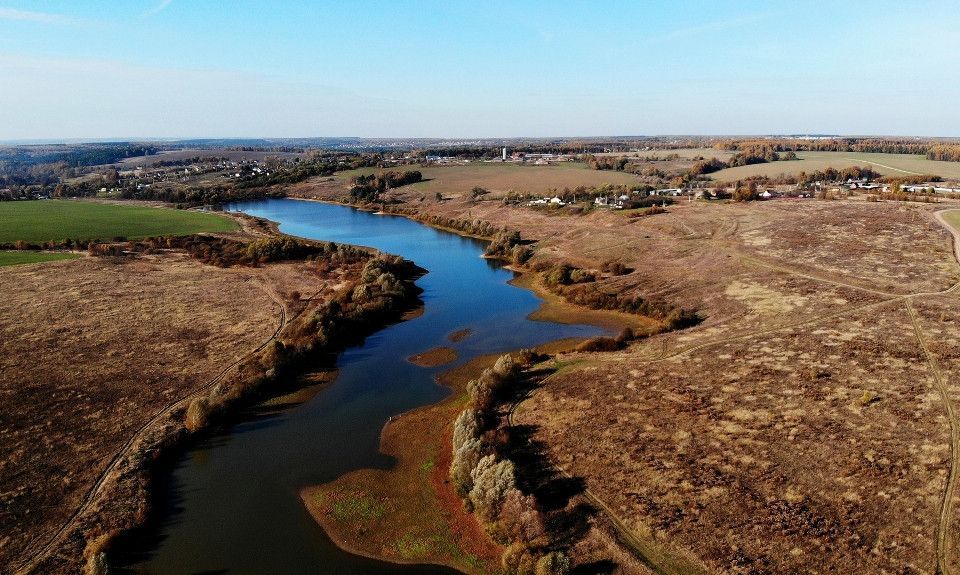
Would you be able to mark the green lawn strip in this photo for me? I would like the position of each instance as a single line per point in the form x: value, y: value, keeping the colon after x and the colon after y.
x: 8, y: 258
x: 40, y: 221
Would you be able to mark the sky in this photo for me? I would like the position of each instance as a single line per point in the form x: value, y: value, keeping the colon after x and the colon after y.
x: 381, y: 68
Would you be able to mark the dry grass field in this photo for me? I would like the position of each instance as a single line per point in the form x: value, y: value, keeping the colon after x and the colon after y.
x: 683, y: 153
x: 181, y: 155
x: 886, y: 164
x: 457, y: 181
x: 90, y: 351
x: 806, y: 426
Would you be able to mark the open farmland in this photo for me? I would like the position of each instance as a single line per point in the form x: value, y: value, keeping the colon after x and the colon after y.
x: 682, y: 153
x: 886, y: 164
x: 455, y: 181
x: 41, y: 221
x: 214, y: 153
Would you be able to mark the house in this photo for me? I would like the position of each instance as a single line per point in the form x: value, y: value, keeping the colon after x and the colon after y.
x: 556, y: 201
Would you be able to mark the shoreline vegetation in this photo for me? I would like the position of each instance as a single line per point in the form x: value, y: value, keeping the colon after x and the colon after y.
x: 453, y: 475
x: 379, y: 290
x: 411, y: 512
x: 385, y: 283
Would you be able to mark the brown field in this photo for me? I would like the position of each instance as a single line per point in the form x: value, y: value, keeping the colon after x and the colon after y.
x: 94, y: 350
x: 179, y: 155
x: 684, y: 153
x: 806, y: 426
x: 886, y: 164
x: 457, y: 181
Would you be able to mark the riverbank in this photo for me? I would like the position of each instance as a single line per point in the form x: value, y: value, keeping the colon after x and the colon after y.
x: 553, y: 307
x: 117, y: 496
x: 411, y: 513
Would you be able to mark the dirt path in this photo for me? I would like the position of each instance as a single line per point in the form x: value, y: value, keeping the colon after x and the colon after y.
x: 946, y: 503
x: 902, y: 171
x: 93, y: 495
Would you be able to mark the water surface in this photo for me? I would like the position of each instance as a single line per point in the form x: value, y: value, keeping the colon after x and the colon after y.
x: 230, y: 504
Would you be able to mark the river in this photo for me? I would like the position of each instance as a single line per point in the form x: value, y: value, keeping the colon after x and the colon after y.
x: 230, y: 503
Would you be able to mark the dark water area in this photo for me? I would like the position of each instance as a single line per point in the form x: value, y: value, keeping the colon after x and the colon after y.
x: 230, y: 503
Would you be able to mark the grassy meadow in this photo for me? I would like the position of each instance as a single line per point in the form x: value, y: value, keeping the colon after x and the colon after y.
x: 40, y: 221
x: 497, y: 177
x: 886, y: 164
x: 953, y: 218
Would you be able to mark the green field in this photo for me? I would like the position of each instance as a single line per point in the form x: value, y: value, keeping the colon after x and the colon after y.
x: 953, y: 218
x: 453, y: 181
x: 25, y: 257
x: 885, y: 164
x: 43, y: 220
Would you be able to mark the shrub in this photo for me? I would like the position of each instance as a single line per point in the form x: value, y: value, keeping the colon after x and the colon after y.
x: 600, y: 344
x: 505, y: 368
x: 466, y: 457
x: 492, y: 480
x: 626, y: 335
x: 502, y: 244
x: 614, y: 268
x: 558, y: 276
x: 518, y: 559
x: 527, y: 357
x: 520, y: 519
x: 198, y: 412
x: 481, y: 395
x: 553, y: 563
x: 520, y: 254
x: 466, y: 427
x: 579, y: 276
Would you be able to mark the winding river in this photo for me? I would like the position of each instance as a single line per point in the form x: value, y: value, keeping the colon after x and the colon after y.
x: 230, y: 503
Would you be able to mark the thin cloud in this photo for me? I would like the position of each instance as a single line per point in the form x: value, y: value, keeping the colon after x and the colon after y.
x: 38, y: 17
x: 709, y: 27
x: 157, y: 9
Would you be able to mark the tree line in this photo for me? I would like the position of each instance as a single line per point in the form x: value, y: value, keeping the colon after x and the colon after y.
x: 944, y: 153
x: 367, y: 188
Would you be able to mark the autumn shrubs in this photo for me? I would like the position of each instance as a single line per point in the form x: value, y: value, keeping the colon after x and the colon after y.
x: 579, y: 286
x: 487, y: 482
x: 383, y: 290
x: 367, y: 188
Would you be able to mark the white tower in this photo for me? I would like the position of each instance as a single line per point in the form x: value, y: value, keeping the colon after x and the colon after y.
x: 504, y: 154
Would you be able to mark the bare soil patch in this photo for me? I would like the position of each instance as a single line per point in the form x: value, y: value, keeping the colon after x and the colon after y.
x: 460, y: 335
x: 433, y: 357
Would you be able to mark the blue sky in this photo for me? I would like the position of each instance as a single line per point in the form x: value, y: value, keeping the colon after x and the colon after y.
x: 204, y: 68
